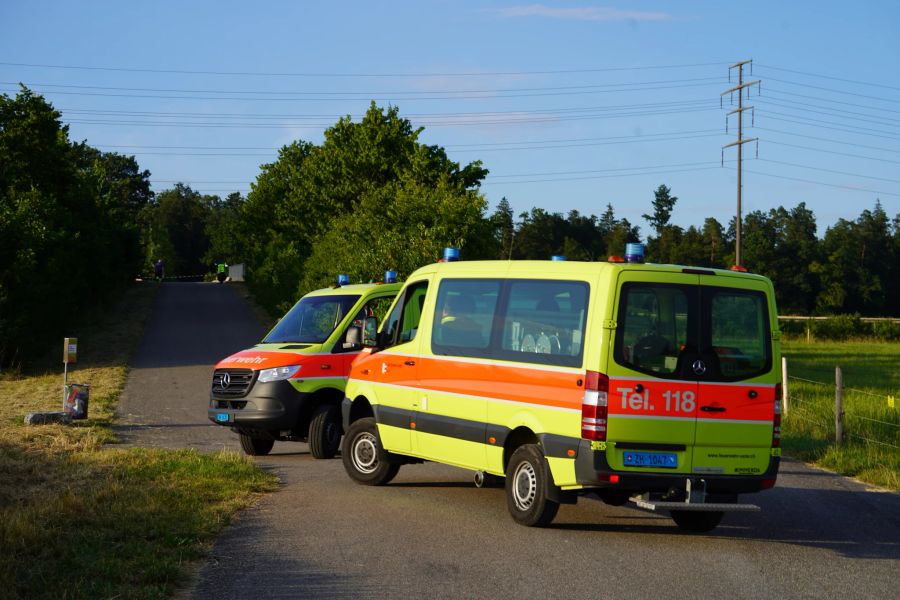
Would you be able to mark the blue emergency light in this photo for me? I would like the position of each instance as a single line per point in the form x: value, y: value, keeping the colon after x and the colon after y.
x: 390, y: 276
x: 634, y: 253
x: 558, y: 257
x: 343, y: 279
x: 451, y: 254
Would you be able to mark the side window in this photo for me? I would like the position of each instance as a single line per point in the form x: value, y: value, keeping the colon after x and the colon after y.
x: 652, y: 327
x: 403, y: 322
x: 543, y: 321
x: 375, y: 307
x: 464, y: 316
x: 739, y: 332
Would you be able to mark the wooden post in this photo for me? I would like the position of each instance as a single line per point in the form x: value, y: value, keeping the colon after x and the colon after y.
x: 784, y: 386
x: 838, y: 406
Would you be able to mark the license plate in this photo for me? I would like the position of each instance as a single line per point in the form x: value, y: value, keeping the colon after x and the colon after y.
x: 664, y: 460
x: 222, y: 417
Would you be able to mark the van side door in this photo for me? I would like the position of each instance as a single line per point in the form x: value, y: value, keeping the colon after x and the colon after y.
x: 393, y: 370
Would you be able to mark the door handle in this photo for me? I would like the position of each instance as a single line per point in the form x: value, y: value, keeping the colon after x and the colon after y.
x: 713, y: 408
x: 409, y: 363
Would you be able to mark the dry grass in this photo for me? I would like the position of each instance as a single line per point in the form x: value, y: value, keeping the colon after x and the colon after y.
x: 80, y: 519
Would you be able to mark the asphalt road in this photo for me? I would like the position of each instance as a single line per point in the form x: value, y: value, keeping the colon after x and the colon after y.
x: 432, y: 533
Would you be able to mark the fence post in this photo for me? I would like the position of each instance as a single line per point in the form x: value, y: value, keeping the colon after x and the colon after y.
x: 784, y: 386
x: 838, y: 406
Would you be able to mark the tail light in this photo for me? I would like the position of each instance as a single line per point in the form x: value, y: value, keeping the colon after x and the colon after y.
x: 776, y: 421
x: 594, y: 407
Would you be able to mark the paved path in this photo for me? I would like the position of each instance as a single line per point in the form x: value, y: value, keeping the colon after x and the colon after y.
x: 193, y: 326
x: 431, y: 533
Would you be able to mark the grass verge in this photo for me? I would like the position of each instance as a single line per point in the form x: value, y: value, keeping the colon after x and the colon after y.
x: 871, y: 373
x: 79, y: 519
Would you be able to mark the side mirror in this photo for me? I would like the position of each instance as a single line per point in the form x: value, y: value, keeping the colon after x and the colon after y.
x: 351, y: 340
x: 370, y: 334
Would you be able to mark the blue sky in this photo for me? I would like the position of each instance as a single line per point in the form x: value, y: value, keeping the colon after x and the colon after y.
x: 570, y: 105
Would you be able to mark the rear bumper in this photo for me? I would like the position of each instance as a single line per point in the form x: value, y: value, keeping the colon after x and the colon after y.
x: 274, y: 406
x: 592, y: 470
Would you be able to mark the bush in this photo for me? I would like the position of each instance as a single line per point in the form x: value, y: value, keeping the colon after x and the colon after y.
x: 888, y: 331
x: 839, y: 328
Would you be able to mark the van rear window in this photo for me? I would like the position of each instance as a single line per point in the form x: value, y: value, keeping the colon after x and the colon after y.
x: 664, y: 330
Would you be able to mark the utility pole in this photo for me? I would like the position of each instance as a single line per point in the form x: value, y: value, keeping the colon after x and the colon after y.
x: 739, y: 142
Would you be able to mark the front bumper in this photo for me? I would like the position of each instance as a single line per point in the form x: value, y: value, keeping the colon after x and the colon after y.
x: 271, y: 407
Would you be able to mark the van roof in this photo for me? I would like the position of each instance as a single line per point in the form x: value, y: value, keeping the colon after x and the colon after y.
x: 530, y: 269
x: 355, y: 289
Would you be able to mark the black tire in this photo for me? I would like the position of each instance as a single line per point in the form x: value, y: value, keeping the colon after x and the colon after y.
x: 526, y: 484
x: 325, y: 431
x: 697, y: 521
x: 256, y: 446
x: 363, y: 457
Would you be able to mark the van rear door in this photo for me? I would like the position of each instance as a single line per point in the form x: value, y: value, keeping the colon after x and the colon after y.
x: 736, y: 377
x: 652, y: 408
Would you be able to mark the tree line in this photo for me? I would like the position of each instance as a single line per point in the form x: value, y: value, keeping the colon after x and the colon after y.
x: 78, y: 224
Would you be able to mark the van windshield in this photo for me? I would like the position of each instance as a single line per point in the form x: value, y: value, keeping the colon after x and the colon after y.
x: 312, y: 320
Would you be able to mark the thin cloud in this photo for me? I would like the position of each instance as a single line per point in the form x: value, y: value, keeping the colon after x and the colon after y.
x: 593, y: 13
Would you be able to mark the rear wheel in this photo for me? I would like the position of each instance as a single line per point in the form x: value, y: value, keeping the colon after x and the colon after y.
x: 526, y: 485
x: 363, y: 456
x: 325, y: 431
x: 256, y: 446
x: 697, y: 521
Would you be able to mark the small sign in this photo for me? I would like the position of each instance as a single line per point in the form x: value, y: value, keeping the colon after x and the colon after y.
x: 890, y: 402
x: 70, y: 350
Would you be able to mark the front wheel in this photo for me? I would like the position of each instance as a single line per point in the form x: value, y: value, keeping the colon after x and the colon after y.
x: 526, y: 485
x: 363, y: 456
x: 325, y: 431
x: 256, y: 446
x: 697, y: 521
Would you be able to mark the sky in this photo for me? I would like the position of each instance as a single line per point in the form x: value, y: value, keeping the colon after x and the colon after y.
x: 571, y: 105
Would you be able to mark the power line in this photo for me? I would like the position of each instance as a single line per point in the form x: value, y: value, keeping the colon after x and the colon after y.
x: 855, y: 81
x: 363, y: 94
x: 617, y: 175
x: 819, y: 124
x: 831, y: 113
x: 574, y: 109
x: 323, y: 125
x: 833, y: 141
x: 827, y: 89
x: 896, y: 162
x: 843, y: 187
x: 283, y: 74
x: 422, y: 96
x: 788, y: 164
x: 778, y: 92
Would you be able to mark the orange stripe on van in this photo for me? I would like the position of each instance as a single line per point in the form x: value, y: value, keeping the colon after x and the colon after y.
x: 313, y: 365
x: 500, y: 381
x: 675, y: 398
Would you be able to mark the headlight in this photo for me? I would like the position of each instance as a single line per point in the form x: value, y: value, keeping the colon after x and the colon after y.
x: 278, y: 373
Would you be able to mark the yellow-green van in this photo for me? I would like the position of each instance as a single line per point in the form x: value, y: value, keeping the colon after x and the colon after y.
x: 289, y: 386
x: 658, y: 384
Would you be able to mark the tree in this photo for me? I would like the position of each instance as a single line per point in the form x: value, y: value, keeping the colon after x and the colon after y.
x: 504, y: 228
x: 311, y: 190
x: 414, y: 221
x: 67, y: 233
x: 662, y: 247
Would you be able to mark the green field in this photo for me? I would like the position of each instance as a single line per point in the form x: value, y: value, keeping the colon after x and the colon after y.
x: 871, y: 374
